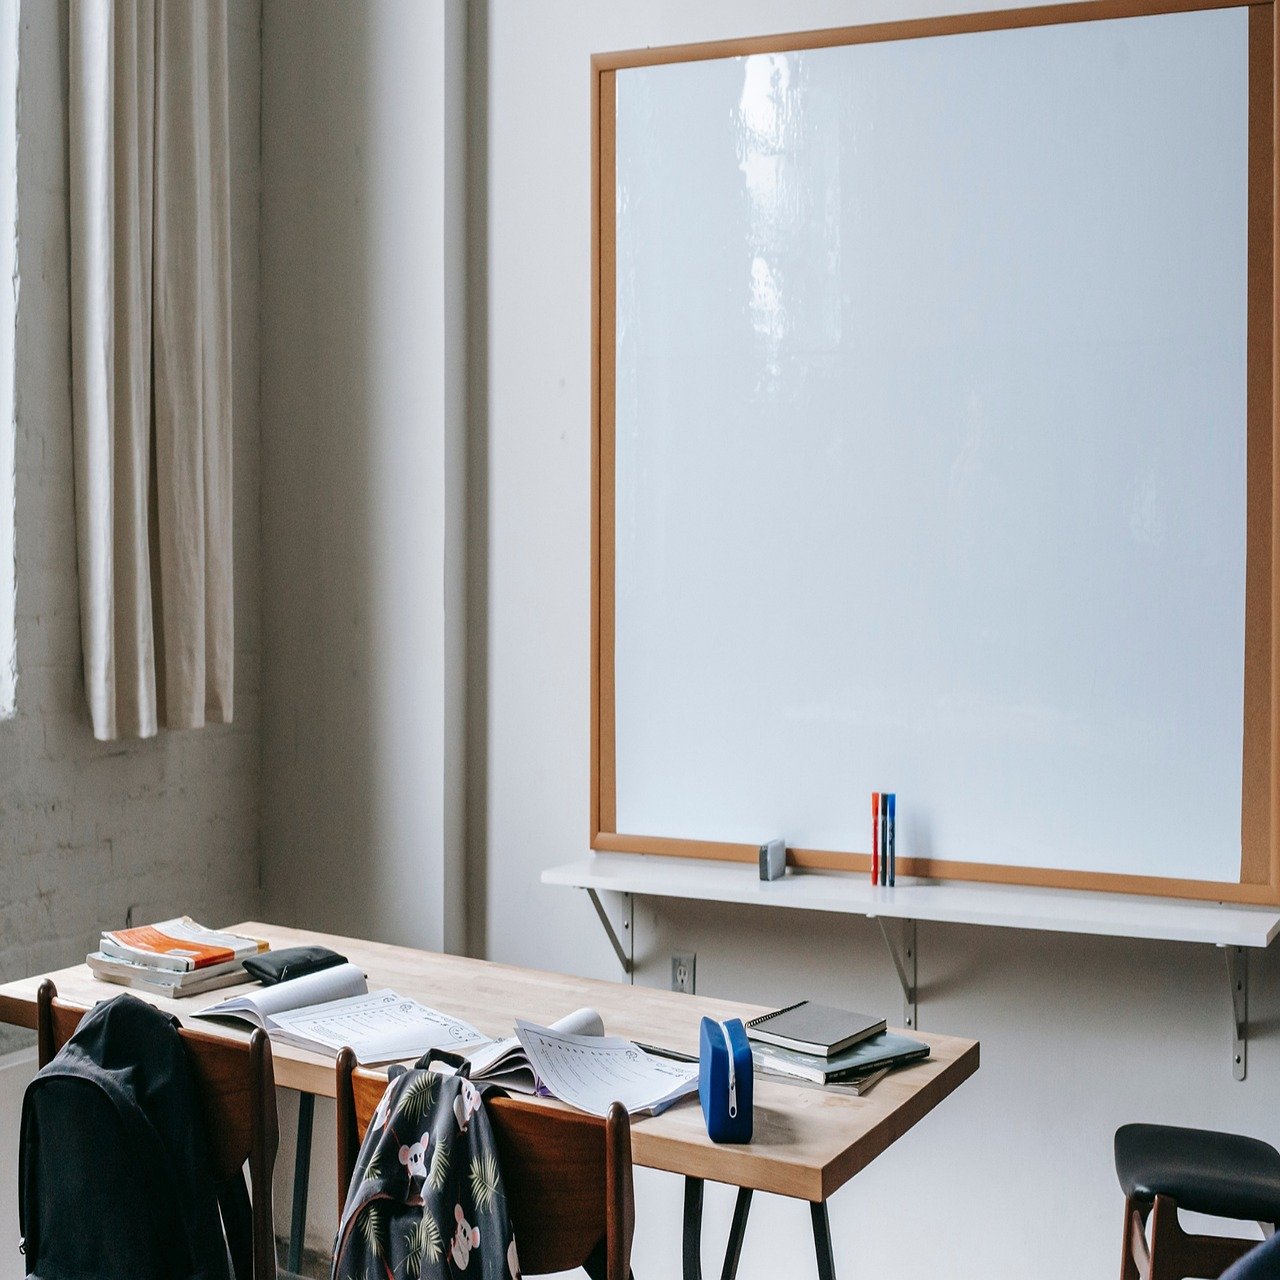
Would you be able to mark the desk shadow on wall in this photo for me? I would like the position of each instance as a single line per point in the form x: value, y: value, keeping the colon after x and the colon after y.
x: 321, y: 578
x: 477, y: 801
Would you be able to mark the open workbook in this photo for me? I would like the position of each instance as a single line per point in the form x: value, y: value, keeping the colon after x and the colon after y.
x: 593, y: 1071
x: 506, y: 1063
x: 575, y: 1061
x: 334, y: 1008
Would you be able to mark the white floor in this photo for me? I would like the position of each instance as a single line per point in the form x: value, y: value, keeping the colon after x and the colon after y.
x: 16, y: 1069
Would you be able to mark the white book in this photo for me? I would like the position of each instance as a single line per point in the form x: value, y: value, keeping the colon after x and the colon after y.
x: 379, y: 1026
x: 164, y: 982
x: 259, y: 1007
x: 180, y: 945
x: 327, y: 1011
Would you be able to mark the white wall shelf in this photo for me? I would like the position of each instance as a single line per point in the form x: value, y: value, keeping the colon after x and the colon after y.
x: 1228, y: 925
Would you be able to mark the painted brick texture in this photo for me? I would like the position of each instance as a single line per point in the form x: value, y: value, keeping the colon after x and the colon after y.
x: 89, y: 830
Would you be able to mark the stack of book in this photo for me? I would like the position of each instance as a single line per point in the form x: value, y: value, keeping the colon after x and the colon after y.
x: 815, y: 1042
x: 173, y: 958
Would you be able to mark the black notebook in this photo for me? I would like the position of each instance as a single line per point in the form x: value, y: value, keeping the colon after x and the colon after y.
x: 814, y: 1028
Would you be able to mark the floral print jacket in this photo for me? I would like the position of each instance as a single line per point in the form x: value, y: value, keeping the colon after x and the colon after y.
x: 426, y: 1200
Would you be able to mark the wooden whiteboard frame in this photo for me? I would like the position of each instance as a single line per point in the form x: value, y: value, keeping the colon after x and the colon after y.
x: 1260, y: 792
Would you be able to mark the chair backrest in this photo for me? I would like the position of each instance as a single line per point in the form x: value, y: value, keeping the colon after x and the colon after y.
x: 237, y: 1091
x: 567, y: 1175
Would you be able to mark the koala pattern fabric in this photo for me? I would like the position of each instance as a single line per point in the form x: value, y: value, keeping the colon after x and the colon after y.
x: 426, y: 1200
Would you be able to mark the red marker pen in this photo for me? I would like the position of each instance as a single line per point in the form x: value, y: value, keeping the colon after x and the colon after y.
x: 875, y: 837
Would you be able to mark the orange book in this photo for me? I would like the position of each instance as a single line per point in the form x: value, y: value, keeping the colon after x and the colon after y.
x: 180, y: 945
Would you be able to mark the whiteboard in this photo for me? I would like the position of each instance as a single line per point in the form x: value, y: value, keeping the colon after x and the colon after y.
x: 930, y: 445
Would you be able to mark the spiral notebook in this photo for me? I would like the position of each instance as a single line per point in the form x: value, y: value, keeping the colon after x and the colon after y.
x: 808, y: 1027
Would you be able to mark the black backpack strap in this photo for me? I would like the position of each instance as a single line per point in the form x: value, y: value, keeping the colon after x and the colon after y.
x: 237, y: 1222
x: 461, y: 1066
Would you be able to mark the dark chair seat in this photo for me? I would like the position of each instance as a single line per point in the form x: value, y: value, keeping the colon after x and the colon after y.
x: 1221, y: 1174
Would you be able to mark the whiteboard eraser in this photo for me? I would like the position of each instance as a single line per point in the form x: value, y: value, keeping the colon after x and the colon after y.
x: 773, y: 860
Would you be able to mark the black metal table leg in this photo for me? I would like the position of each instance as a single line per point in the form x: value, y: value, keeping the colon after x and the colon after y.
x: 741, y: 1207
x: 822, y: 1241
x: 692, y: 1250
x: 301, y: 1178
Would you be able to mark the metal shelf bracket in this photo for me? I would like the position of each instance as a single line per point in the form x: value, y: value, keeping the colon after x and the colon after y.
x: 1238, y: 977
x: 624, y: 946
x: 905, y: 964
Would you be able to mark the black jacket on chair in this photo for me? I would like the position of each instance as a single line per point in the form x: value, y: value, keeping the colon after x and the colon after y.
x: 114, y: 1175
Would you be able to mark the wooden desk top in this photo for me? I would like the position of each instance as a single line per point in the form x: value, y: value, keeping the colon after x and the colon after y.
x: 808, y: 1142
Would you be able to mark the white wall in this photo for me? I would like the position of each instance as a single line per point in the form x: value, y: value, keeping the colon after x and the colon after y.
x: 363, y: 468
x: 364, y: 489
x: 8, y: 318
x: 1012, y: 1174
x: 93, y: 829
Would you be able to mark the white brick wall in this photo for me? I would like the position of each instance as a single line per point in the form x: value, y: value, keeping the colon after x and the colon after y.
x: 89, y: 830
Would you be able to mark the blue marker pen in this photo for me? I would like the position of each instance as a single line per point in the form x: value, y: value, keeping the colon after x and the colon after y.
x: 891, y: 850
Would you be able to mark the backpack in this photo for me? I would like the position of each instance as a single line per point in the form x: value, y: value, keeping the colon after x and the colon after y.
x: 426, y: 1200
x: 114, y: 1175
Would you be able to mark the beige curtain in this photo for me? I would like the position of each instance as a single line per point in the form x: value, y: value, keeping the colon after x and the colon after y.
x: 151, y: 360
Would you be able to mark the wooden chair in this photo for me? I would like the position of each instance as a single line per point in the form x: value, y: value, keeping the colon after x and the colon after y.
x: 567, y: 1175
x: 237, y: 1087
x: 1163, y: 1168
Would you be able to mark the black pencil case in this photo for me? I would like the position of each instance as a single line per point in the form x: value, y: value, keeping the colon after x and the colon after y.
x: 270, y: 967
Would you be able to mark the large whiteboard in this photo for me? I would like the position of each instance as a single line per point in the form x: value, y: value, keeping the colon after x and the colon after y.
x: 930, y: 445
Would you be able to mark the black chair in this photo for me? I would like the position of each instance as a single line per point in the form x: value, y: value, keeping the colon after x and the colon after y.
x: 1163, y: 1169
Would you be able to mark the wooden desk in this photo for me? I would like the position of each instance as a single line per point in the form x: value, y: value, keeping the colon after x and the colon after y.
x: 807, y: 1143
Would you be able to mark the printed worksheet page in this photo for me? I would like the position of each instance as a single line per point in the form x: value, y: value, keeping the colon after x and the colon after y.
x: 380, y: 1027
x: 593, y: 1072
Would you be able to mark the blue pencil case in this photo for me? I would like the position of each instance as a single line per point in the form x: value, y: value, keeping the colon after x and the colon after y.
x: 724, y: 1080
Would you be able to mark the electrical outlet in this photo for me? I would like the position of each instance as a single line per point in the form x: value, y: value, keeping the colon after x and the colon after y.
x: 684, y: 968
